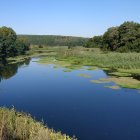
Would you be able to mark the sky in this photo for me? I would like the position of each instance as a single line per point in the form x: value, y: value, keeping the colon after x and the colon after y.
x: 85, y: 18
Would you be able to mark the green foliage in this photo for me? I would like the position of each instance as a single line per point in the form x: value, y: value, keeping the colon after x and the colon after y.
x: 40, y: 46
x: 7, y: 39
x: 50, y: 40
x: 111, y: 38
x: 125, y: 38
x: 21, y: 47
x: 9, y: 44
x: 95, y: 42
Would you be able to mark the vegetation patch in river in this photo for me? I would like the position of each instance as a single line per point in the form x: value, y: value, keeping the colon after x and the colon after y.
x: 56, y: 67
x: 100, y: 81
x: 123, y: 65
x: 112, y: 87
x: 59, y: 63
x: 84, y: 75
x: 126, y: 82
x: 18, y: 59
x: 92, y: 68
x: 120, y: 74
x: 67, y: 70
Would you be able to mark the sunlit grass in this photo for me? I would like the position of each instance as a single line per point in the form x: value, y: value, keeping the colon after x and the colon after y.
x: 19, y: 126
x: 95, y: 57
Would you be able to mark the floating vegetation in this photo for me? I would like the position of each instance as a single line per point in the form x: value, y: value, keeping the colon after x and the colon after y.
x: 112, y: 87
x: 92, y: 68
x: 126, y: 82
x: 120, y: 66
x: 74, y: 67
x: 120, y: 74
x: 84, y: 75
x: 56, y: 67
x: 67, y: 70
x: 101, y: 81
x: 18, y: 59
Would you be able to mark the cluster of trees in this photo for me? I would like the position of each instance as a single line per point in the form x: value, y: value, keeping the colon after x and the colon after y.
x: 123, y: 38
x: 95, y: 42
x: 10, y: 45
x: 52, y: 40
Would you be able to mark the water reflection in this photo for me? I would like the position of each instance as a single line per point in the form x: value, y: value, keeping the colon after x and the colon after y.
x: 9, y: 70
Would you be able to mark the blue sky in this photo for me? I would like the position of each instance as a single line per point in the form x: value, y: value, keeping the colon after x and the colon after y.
x: 67, y: 17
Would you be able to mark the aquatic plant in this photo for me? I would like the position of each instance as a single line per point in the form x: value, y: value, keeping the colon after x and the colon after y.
x: 113, y: 87
x: 84, y: 75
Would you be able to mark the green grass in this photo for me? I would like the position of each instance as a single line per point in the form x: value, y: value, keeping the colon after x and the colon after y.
x: 104, y: 60
x: 19, y: 126
x: 94, y: 57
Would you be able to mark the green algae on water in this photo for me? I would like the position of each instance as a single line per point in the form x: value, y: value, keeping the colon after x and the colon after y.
x: 112, y: 87
x: 84, y: 75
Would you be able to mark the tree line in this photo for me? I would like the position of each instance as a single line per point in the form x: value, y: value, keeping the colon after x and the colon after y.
x: 52, y: 40
x: 123, y: 38
x: 10, y: 45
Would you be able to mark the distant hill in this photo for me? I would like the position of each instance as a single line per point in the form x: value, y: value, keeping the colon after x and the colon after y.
x: 53, y: 40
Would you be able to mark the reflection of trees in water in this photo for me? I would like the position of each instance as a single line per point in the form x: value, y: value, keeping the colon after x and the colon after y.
x: 9, y: 70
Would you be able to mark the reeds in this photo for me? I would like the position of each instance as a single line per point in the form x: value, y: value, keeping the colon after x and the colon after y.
x: 19, y: 126
x: 112, y: 60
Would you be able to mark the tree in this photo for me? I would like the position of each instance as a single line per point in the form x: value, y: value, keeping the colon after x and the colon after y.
x: 111, y: 38
x: 10, y: 45
x: 95, y: 42
x: 21, y: 46
x: 7, y: 39
x: 124, y: 38
x: 129, y: 36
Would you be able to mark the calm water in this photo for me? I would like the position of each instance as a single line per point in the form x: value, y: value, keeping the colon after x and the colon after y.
x: 70, y: 103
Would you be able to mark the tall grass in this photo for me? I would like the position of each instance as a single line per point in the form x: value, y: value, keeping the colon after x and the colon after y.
x: 94, y: 57
x: 19, y: 126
